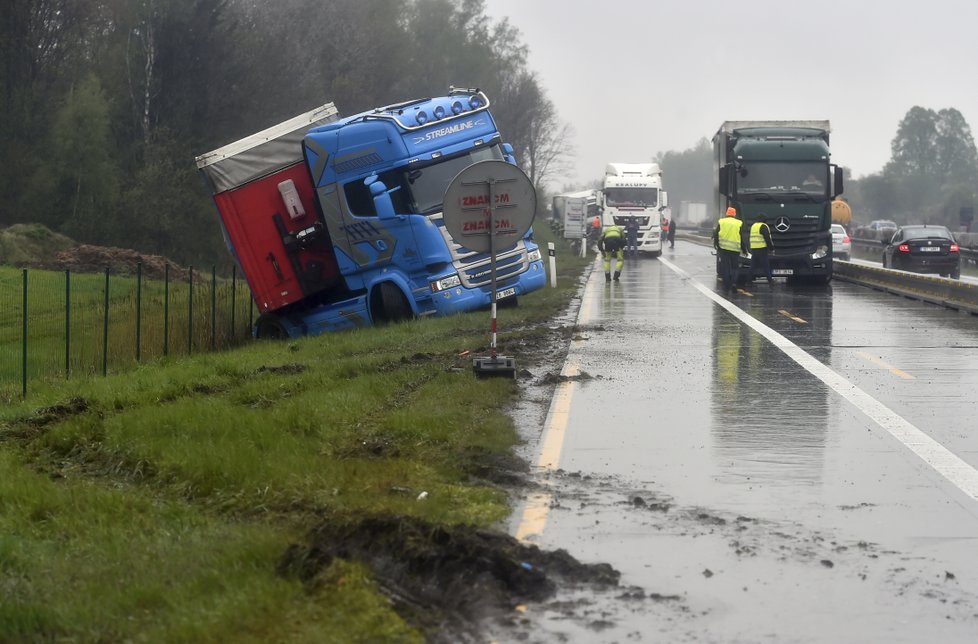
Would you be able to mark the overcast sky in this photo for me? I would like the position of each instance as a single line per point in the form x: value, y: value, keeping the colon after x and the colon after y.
x: 636, y: 77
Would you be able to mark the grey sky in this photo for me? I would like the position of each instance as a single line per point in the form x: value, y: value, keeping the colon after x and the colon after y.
x: 636, y: 77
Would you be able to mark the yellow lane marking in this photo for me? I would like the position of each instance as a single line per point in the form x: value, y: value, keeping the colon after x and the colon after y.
x: 792, y: 317
x: 896, y: 372
x: 537, y: 507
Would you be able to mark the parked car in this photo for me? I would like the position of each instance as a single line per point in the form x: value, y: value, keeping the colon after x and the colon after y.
x: 923, y: 248
x: 882, y: 224
x: 841, y: 244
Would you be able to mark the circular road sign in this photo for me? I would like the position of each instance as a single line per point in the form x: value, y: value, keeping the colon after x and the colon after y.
x: 486, y: 194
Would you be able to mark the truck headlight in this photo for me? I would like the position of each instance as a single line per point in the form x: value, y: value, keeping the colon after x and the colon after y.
x: 534, y: 256
x: 820, y: 252
x: 445, y: 283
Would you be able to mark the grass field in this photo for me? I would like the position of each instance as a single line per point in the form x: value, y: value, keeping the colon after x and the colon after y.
x: 156, y: 504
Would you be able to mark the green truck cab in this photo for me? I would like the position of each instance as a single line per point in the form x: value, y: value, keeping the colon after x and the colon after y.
x: 780, y: 171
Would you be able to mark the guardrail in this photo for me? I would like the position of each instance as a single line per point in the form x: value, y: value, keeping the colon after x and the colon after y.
x: 950, y: 293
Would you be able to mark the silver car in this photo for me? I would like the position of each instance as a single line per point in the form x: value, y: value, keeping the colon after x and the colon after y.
x: 841, y: 244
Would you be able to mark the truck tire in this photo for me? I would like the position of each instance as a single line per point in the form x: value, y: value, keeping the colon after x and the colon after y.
x: 390, y: 305
x: 270, y: 327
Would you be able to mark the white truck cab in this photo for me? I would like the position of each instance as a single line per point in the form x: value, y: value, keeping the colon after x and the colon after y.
x: 634, y: 191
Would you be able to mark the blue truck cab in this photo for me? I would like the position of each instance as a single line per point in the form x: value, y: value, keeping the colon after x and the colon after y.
x: 371, y: 187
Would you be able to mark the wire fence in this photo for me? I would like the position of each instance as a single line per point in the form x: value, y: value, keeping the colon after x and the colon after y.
x: 64, y: 324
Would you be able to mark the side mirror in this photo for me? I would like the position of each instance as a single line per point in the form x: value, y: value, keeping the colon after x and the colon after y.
x: 724, y: 180
x: 508, y: 153
x: 837, y: 187
x: 663, y: 199
x: 383, y: 203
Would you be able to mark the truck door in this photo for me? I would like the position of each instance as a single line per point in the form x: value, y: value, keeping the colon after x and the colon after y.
x: 363, y: 239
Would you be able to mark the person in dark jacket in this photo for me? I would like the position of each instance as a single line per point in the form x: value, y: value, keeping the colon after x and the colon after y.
x: 631, y: 232
x: 672, y: 233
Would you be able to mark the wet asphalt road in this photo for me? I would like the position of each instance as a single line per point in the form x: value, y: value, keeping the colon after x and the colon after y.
x: 739, y: 492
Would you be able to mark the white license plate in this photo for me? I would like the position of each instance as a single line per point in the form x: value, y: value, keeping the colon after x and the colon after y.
x: 783, y: 271
x: 930, y: 249
x: 505, y: 293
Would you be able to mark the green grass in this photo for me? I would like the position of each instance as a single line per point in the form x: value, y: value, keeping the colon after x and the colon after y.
x: 156, y: 503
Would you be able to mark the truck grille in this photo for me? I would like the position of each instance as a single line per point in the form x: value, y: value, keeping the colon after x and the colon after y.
x: 800, y: 237
x: 475, y: 272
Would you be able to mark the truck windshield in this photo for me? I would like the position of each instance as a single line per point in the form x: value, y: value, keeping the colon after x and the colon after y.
x: 771, y: 177
x: 631, y: 197
x: 429, y: 183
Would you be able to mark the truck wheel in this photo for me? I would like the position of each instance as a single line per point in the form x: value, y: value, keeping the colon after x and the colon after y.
x: 270, y: 327
x: 393, y: 307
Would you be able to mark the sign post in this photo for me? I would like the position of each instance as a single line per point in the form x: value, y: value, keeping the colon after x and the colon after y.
x: 490, y: 205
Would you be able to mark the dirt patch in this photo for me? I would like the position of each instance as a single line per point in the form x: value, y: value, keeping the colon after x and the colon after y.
x: 31, y: 426
x: 85, y: 258
x: 443, y: 579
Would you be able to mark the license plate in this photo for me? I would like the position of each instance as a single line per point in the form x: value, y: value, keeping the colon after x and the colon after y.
x: 783, y: 271
x: 930, y: 249
x: 505, y: 293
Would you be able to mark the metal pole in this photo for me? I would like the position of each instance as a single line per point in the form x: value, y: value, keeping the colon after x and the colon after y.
x: 105, y: 327
x: 234, y: 283
x: 492, y: 264
x: 23, y: 348
x: 139, y: 306
x: 67, y: 324
x: 190, y: 312
x: 213, y: 307
x: 166, y: 309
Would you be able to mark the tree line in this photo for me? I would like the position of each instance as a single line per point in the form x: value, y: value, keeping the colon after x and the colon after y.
x: 105, y: 103
x: 931, y: 175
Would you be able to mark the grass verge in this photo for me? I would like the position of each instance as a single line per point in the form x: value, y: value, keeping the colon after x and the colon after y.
x: 157, y: 504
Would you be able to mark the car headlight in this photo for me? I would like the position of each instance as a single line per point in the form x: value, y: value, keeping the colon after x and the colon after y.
x: 820, y: 252
x: 534, y: 255
x: 445, y: 283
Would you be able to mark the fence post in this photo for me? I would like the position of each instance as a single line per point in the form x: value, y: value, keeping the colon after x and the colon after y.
x: 234, y: 301
x: 166, y: 309
x: 23, y: 365
x: 213, y: 307
x: 105, y: 327
x: 67, y: 324
x: 139, y: 306
x: 190, y: 312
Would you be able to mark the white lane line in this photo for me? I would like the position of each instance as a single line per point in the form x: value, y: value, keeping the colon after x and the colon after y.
x: 945, y: 462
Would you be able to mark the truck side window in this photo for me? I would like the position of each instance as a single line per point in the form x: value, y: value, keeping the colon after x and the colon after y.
x: 361, y: 202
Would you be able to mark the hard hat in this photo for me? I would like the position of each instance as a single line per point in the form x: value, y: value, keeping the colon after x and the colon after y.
x: 731, y: 212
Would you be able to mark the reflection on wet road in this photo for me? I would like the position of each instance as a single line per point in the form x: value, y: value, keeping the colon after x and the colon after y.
x: 787, y: 463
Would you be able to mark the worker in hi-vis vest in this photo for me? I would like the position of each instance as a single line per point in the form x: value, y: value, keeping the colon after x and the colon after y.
x: 760, y: 247
x: 612, y: 242
x: 729, y: 242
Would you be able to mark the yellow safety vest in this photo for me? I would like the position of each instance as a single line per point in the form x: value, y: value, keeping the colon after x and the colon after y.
x: 756, y: 238
x: 729, y: 237
x: 612, y: 231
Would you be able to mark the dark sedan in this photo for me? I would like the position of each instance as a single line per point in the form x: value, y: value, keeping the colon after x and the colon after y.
x: 923, y: 249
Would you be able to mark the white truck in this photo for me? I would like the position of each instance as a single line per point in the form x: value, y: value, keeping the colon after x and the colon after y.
x: 634, y: 191
x: 574, y: 211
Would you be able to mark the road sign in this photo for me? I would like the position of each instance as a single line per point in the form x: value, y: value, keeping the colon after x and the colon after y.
x: 486, y: 195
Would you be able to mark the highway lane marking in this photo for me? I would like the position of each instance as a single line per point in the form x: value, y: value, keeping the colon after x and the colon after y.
x: 792, y: 317
x: 537, y: 507
x: 897, y: 372
x: 945, y: 462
